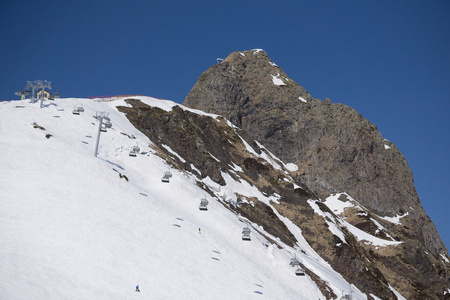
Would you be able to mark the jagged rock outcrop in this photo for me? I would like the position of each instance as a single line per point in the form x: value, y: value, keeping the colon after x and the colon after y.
x: 336, y: 150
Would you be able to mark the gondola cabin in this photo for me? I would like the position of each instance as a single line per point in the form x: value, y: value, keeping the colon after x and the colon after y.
x: 166, y: 177
x: 75, y: 111
x: 299, y: 272
x: 203, y: 204
x: 134, y: 151
x: 246, y: 234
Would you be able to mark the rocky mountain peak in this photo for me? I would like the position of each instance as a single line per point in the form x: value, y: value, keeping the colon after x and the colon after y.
x: 259, y: 54
x: 241, y: 81
x: 335, y: 148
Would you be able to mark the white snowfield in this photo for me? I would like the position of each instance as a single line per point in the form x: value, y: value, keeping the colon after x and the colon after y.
x: 338, y: 207
x: 73, y: 227
x: 277, y: 80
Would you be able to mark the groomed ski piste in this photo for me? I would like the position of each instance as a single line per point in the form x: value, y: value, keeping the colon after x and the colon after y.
x: 76, y: 226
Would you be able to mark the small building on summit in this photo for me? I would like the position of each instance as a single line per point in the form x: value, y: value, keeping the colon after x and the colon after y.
x: 47, y: 94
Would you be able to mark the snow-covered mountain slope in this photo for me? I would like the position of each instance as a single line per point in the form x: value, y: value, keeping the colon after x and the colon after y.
x: 76, y: 226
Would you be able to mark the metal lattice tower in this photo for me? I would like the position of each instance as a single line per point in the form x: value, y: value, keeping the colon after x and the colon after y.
x: 42, y: 84
x: 33, y: 86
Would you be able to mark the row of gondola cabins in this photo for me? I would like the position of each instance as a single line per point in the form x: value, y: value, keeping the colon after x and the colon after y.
x: 245, y: 231
x: 203, y: 202
x: 79, y: 109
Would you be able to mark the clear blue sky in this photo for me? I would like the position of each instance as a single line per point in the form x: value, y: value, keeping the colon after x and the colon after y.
x: 387, y: 59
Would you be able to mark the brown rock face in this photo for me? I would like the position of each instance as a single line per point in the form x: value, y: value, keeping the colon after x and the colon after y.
x: 336, y: 150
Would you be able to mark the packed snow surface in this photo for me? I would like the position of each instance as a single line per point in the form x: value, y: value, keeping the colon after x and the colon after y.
x: 396, y: 219
x: 302, y: 99
x: 291, y: 167
x: 174, y: 153
x: 76, y: 226
x: 338, y: 206
x: 277, y: 81
x: 257, y: 50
